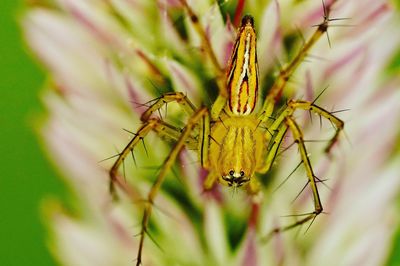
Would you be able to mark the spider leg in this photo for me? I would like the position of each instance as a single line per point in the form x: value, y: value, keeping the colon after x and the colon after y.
x: 298, y: 137
x: 273, y: 147
x: 310, y: 106
x: 162, y: 128
x: 287, y: 71
x: 166, y: 98
x: 206, y: 44
x: 194, y: 120
x: 293, y: 105
x: 285, y: 121
x: 220, y: 102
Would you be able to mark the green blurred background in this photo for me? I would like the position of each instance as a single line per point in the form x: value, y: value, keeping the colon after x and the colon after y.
x: 25, y: 177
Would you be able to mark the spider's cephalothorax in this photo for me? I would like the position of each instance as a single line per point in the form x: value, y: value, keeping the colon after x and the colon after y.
x: 233, y: 140
x: 236, y: 150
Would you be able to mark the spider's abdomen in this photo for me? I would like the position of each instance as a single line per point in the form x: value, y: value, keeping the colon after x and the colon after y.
x: 242, y: 74
x: 237, y: 146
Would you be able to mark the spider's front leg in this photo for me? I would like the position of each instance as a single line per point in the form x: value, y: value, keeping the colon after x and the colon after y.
x: 287, y: 71
x: 220, y: 102
x: 195, y: 120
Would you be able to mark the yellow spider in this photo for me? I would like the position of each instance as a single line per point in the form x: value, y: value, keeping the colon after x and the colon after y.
x: 231, y: 139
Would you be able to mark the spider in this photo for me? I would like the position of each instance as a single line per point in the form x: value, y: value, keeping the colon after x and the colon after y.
x: 230, y: 137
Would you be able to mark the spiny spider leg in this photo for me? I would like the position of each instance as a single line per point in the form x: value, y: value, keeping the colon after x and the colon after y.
x: 162, y: 128
x: 166, y: 98
x: 194, y: 120
x: 280, y: 125
x: 205, y: 41
x: 298, y: 137
x: 220, y: 102
x: 152, y: 124
x: 292, y: 105
x: 287, y: 71
x: 273, y: 147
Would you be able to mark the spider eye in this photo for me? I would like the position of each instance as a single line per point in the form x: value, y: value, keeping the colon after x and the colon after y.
x: 231, y: 172
x: 241, y: 173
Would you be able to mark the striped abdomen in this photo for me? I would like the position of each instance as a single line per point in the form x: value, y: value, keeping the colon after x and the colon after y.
x: 242, y: 82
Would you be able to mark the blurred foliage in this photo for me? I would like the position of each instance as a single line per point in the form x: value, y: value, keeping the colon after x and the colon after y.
x: 26, y: 176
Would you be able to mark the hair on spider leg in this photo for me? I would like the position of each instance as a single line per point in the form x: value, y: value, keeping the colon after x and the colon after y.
x: 296, y: 215
x: 151, y: 238
x: 213, y: 139
x: 300, y: 214
x: 266, y: 129
x: 131, y: 151
x: 155, y: 86
x: 323, y: 182
x: 307, y: 183
x: 158, y: 208
x: 309, y: 226
x: 222, y: 122
x: 325, y: 24
x: 158, y: 168
x: 130, y: 132
x: 273, y: 142
x: 150, y: 102
x: 287, y: 178
x: 146, y: 104
x: 319, y: 95
x: 144, y: 146
x: 133, y: 158
x: 340, y: 111
x: 109, y: 158
x: 284, y: 149
x: 298, y: 223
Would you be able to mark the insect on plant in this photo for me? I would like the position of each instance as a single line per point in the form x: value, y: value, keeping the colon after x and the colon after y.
x: 234, y: 139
